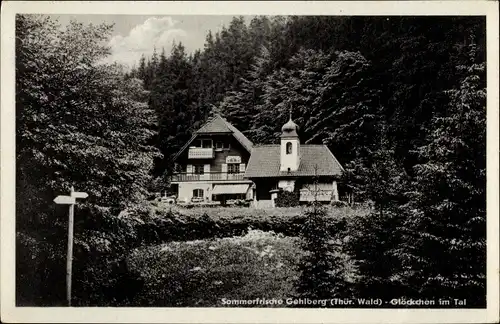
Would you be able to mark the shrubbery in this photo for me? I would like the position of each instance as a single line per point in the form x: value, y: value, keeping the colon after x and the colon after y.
x: 102, y: 241
x: 338, y: 203
x: 202, y: 272
x: 287, y: 199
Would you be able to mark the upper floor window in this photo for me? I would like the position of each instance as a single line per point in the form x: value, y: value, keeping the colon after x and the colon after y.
x: 233, y: 168
x: 289, y: 148
x: 222, y: 146
x: 198, y: 169
x: 204, y: 143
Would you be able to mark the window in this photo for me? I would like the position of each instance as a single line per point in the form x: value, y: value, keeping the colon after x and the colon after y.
x: 219, y: 146
x: 204, y: 143
x: 233, y: 168
x: 197, y: 193
x: 289, y: 148
x: 199, y: 169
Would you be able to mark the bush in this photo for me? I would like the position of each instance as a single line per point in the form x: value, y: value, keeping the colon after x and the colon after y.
x: 200, y: 273
x: 242, y: 203
x: 339, y: 203
x: 40, y: 271
x: 102, y: 241
x: 287, y: 199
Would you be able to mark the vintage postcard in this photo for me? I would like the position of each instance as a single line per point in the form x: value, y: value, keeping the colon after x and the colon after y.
x: 250, y: 162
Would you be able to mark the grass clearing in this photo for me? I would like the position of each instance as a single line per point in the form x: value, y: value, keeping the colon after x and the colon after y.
x: 202, y: 272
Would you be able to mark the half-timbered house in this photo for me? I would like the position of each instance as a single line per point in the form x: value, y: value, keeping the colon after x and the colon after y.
x: 219, y: 163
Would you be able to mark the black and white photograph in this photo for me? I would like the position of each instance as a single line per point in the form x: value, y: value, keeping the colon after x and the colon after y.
x: 251, y: 161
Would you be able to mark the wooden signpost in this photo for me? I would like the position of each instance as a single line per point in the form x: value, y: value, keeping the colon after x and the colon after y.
x: 71, y: 201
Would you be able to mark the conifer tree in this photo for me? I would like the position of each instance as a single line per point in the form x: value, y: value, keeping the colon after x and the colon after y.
x: 446, y: 215
x: 316, y: 281
x: 240, y: 107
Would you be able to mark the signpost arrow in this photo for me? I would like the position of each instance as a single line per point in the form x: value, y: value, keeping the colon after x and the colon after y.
x: 65, y: 200
x: 77, y: 194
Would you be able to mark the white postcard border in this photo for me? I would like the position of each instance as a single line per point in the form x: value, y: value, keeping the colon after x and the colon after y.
x: 10, y: 313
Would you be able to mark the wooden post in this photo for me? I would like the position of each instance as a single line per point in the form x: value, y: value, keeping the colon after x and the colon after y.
x: 70, y: 249
x: 71, y: 201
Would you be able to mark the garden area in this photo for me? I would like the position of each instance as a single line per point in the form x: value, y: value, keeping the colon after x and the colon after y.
x: 256, y: 263
x: 202, y: 272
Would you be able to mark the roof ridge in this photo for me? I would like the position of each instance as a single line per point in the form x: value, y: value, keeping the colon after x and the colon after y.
x: 313, y: 145
x: 211, y: 120
x: 262, y: 145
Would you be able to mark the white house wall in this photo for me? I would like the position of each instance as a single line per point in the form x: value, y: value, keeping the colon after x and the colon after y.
x: 186, y: 190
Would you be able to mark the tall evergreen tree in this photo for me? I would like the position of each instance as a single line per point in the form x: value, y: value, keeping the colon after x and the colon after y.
x: 241, y: 106
x: 317, y: 280
x: 446, y: 216
x: 171, y: 99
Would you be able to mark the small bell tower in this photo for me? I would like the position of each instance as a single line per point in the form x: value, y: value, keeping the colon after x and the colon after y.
x: 290, y: 146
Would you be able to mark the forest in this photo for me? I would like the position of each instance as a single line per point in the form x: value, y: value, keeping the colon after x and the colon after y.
x: 400, y: 101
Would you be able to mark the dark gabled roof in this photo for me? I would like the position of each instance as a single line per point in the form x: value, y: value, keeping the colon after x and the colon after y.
x: 247, y: 144
x: 215, y: 124
x: 218, y: 125
x: 316, y: 160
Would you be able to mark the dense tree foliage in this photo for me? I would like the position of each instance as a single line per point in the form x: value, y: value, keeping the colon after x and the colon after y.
x: 447, y: 210
x: 78, y: 123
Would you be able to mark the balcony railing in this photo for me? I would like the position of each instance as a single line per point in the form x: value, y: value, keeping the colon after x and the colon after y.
x: 201, y: 153
x: 210, y: 176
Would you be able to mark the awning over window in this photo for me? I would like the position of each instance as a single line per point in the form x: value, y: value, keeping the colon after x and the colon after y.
x: 230, y: 189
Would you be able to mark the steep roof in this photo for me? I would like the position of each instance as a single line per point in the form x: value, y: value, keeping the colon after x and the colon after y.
x: 218, y: 125
x: 215, y: 124
x: 315, y: 160
x: 247, y: 144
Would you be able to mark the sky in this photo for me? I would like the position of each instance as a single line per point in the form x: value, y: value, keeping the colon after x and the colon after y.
x: 135, y: 35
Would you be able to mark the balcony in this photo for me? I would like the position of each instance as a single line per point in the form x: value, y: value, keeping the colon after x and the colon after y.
x: 210, y: 176
x: 201, y: 153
